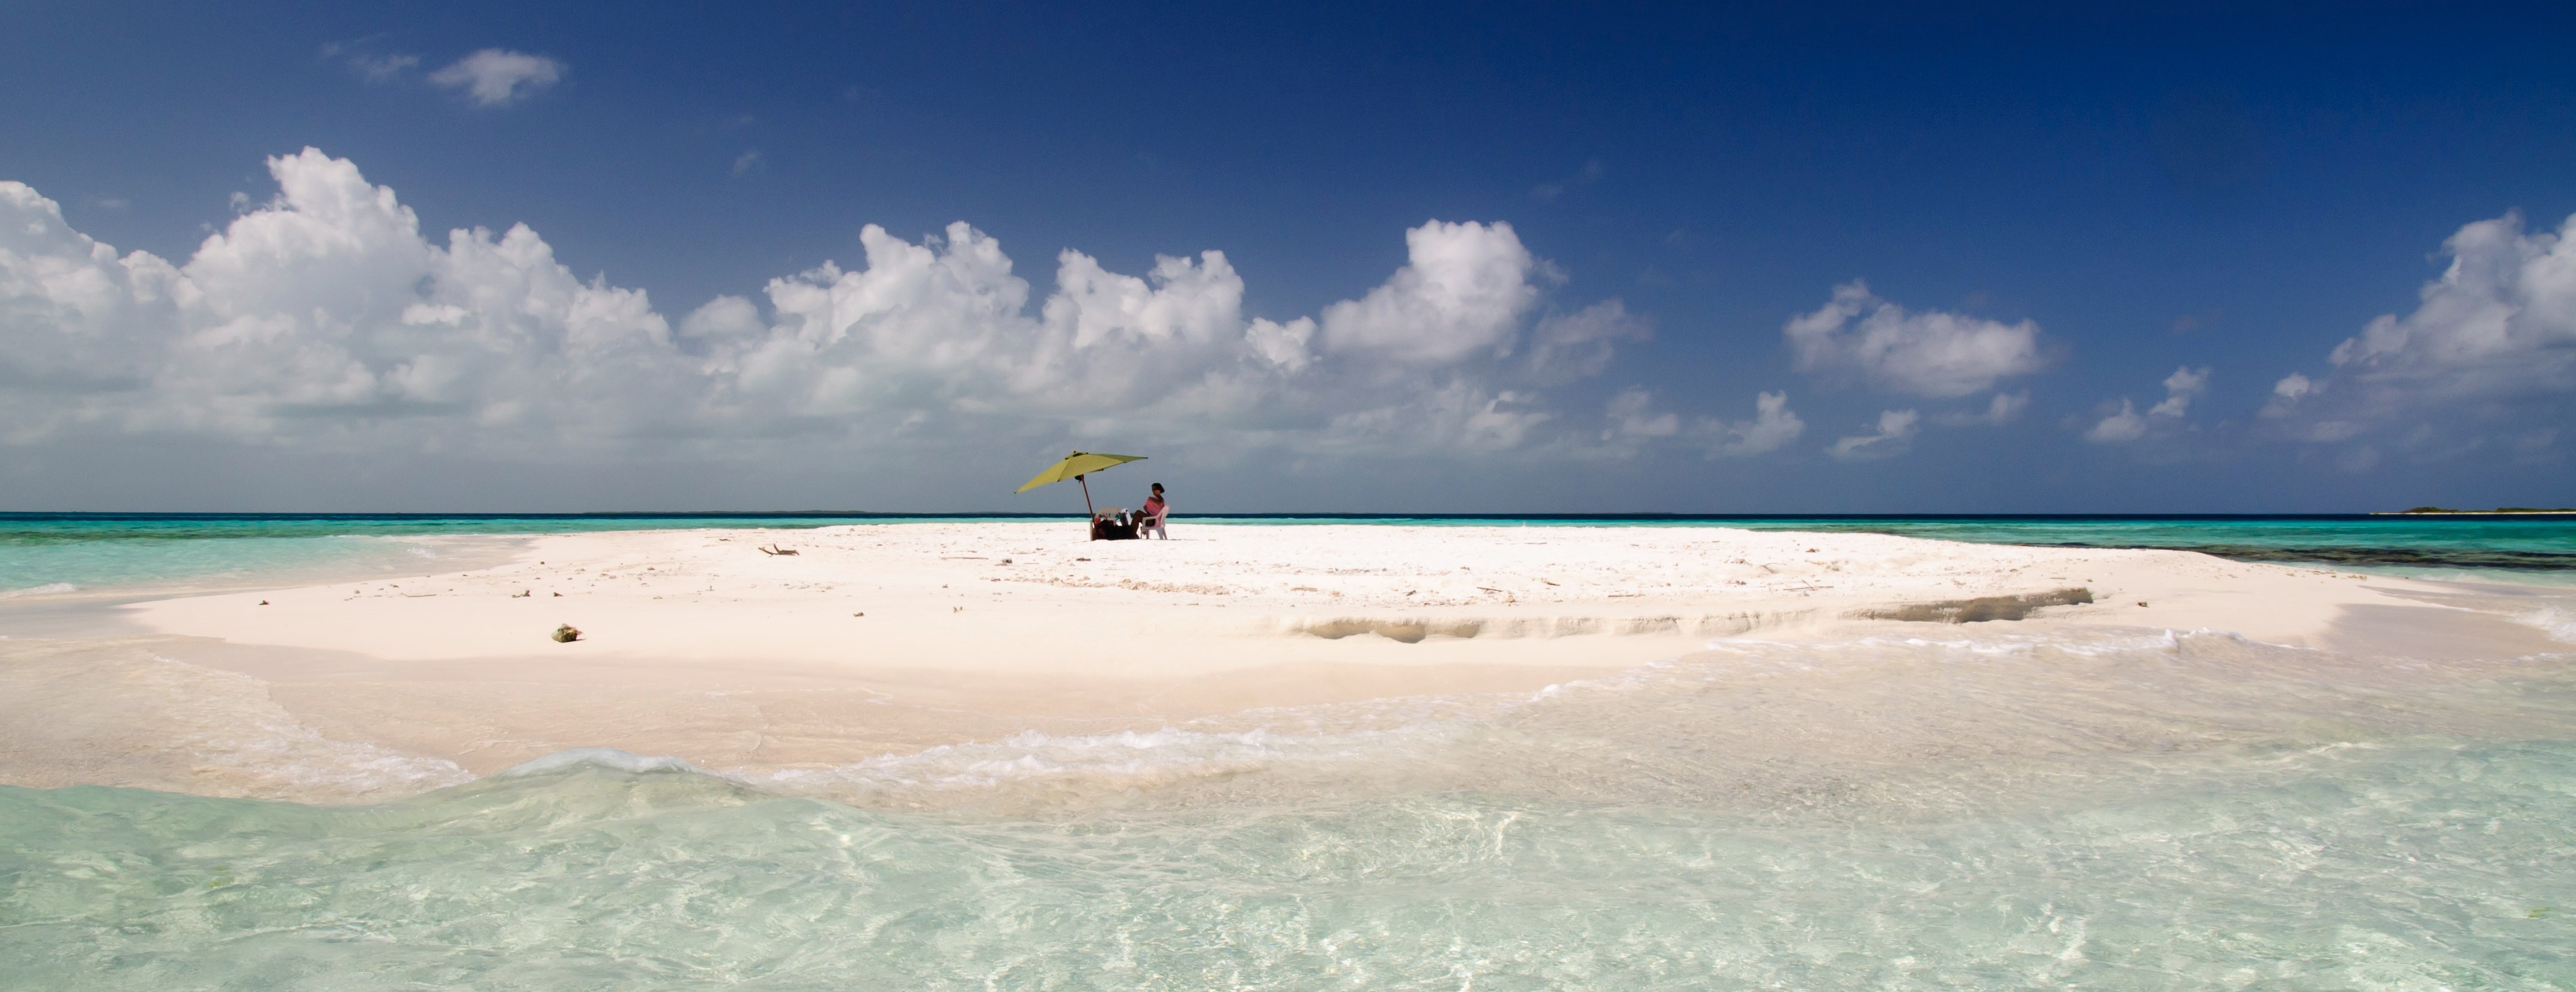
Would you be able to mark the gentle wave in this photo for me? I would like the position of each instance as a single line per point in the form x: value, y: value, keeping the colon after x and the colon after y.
x: 1882, y: 726
x: 1920, y: 726
x: 608, y: 758
x: 1988, y: 808
x: 2266, y: 867
x: 2557, y: 623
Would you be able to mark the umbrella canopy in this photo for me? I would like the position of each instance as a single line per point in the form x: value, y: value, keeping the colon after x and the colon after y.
x: 1076, y: 465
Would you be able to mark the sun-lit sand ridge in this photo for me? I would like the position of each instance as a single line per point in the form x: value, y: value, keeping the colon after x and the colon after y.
x: 874, y: 639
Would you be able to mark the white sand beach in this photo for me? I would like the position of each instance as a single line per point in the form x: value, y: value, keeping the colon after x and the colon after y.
x: 872, y: 640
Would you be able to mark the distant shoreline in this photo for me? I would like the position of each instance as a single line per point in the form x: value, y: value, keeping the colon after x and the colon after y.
x: 2435, y: 511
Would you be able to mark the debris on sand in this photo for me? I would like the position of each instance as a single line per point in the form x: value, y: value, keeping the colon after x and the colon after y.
x: 567, y: 634
x: 1977, y: 610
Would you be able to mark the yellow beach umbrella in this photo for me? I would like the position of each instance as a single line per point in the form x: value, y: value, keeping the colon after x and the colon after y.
x: 1075, y: 466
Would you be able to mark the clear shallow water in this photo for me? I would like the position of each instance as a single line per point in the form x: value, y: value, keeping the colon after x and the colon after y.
x: 113, y: 565
x: 2468, y: 542
x: 44, y: 554
x: 2409, y: 864
x: 2133, y: 811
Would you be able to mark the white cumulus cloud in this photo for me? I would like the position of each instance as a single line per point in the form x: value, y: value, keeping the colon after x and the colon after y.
x: 1773, y: 426
x: 325, y: 320
x: 1895, y: 429
x: 381, y: 68
x: 1927, y: 353
x: 1457, y: 416
x: 324, y: 308
x: 368, y: 63
x: 498, y: 77
x: 2125, y: 424
x: 1580, y: 344
x: 2003, y: 409
x: 2119, y: 425
x: 1632, y: 415
x: 2491, y: 346
x: 2181, y: 388
x: 1462, y: 291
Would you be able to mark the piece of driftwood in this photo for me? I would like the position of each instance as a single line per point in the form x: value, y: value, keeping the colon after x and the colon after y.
x: 567, y: 634
x: 776, y: 550
x: 1978, y: 610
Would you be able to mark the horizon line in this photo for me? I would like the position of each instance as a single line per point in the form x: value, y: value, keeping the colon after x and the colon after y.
x: 1216, y: 515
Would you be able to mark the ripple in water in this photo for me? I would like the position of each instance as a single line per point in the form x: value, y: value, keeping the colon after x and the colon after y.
x: 2143, y: 810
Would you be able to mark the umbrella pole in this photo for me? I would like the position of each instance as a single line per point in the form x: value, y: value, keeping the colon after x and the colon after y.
x: 1086, y: 496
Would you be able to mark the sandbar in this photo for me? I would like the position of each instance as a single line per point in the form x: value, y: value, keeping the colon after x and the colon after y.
x: 878, y: 639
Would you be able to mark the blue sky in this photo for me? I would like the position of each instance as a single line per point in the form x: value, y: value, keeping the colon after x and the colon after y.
x: 2109, y: 259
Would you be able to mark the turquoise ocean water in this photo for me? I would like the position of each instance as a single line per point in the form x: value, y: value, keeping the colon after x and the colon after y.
x: 1972, y: 809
